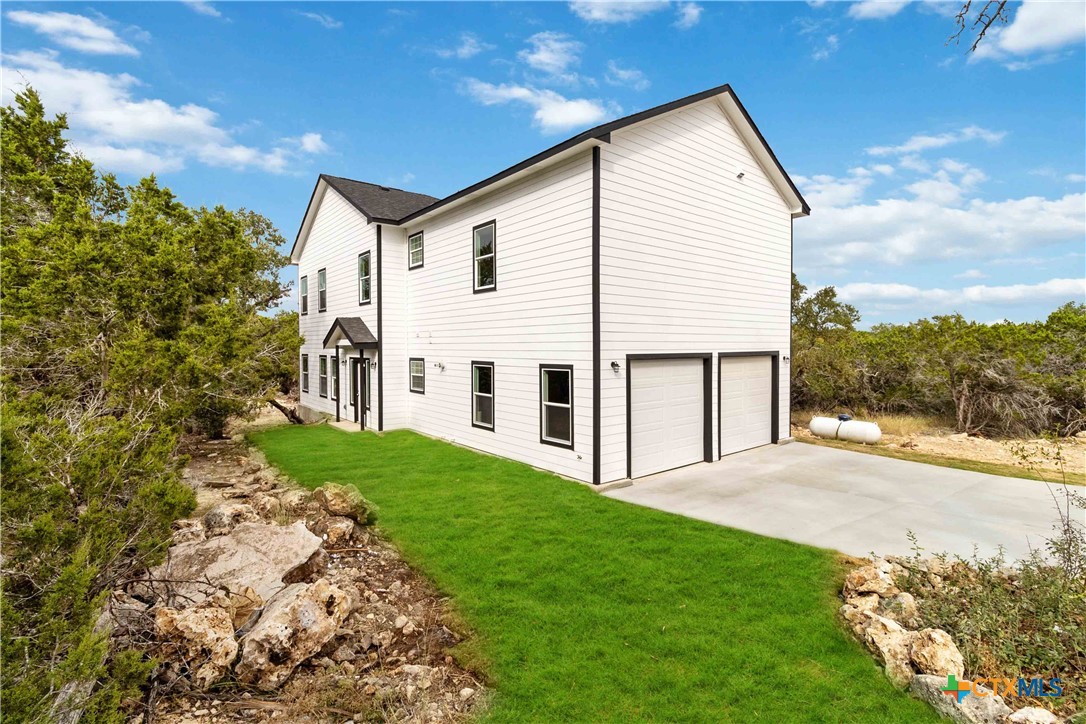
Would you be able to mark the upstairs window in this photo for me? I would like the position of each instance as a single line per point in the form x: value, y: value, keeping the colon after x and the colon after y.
x: 322, y: 379
x: 556, y: 405
x: 322, y: 290
x: 364, y: 278
x: 414, y: 251
x: 305, y: 373
x: 303, y: 293
x: 486, y: 257
x: 482, y: 395
x: 417, y: 368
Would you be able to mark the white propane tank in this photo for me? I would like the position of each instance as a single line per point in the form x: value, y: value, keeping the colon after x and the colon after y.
x: 867, y: 433
x: 825, y: 427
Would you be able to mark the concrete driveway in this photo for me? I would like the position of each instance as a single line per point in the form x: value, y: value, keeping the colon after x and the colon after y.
x: 854, y: 502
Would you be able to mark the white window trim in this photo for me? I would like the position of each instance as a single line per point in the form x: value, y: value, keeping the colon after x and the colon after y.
x: 544, y: 404
x: 476, y: 394
x: 411, y: 264
x: 411, y: 375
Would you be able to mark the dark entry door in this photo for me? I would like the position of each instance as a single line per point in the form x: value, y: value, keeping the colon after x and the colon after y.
x: 358, y: 409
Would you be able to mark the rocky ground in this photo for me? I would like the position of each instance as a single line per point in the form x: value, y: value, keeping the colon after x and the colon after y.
x: 276, y: 603
x: 969, y: 447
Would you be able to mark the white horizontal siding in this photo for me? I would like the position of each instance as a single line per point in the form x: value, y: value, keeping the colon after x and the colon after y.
x: 693, y: 259
x: 541, y: 313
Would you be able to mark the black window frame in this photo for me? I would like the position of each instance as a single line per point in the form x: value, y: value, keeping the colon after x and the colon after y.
x: 410, y: 375
x: 542, y: 407
x: 322, y: 376
x: 304, y: 373
x: 493, y: 396
x: 333, y: 380
x: 369, y: 278
x: 322, y: 292
x: 422, y: 250
x: 476, y: 289
x: 303, y: 295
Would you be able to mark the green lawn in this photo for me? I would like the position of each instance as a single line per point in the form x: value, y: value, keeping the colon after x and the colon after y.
x: 586, y: 609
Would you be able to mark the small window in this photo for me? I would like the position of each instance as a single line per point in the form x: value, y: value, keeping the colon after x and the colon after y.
x: 482, y: 395
x: 486, y: 257
x: 335, y: 378
x: 364, y: 278
x: 305, y: 372
x: 322, y: 290
x: 322, y: 379
x: 303, y: 293
x: 414, y: 251
x: 556, y: 405
x: 418, y: 375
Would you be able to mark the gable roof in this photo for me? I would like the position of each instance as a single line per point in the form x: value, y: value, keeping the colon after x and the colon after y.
x: 352, y: 329
x: 392, y: 206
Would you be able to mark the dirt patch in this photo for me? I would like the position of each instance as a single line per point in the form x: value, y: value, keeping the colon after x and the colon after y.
x: 391, y: 659
x: 967, y: 447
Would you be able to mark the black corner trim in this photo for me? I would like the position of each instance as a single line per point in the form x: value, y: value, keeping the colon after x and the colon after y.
x: 597, y: 344
x: 380, y: 340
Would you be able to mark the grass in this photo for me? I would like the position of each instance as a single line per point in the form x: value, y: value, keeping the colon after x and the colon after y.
x: 586, y: 609
x: 1010, y: 471
x: 890, y: 423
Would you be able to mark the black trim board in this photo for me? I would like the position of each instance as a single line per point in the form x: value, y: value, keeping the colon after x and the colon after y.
x: 706, y: 407
x: 774, y: 391
x: 380, y: 340
x: 597, y: 345
x: 493, y: 396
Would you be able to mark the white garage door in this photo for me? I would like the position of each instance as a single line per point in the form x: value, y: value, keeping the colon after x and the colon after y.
x: 666, y: 414
x: 746, y: 403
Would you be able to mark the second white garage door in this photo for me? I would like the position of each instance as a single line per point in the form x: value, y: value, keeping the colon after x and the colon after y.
x: 746, y: 403
x: 667, y: 414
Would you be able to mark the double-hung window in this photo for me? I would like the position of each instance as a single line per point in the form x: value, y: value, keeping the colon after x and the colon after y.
x: 335, y: 378
x: 303, y: 293
x: 417, y: 368
x: 414, y: 251
x: 305, y: 373
x: 485, y: 249
x: 482, y: 395
x: 364, y: 278
x: 322, y: 378
x: 322, y: 290
x: 556, y: 405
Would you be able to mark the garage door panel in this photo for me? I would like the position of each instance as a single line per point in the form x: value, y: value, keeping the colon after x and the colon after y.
x: 667, y: 414
x: 746, y: 403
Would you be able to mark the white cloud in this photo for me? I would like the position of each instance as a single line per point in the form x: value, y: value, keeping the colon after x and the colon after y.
x: 825, y: 191
x: 324, y: 20
x: 603, y: 11
x: 689, y: 15
x: 876, y: 9
x: 884, y: 168
x: 123, y: 132
x: 1053, y: 290
x: 554, y: 54
x: 923, y: 142
x: 828, y: 48
x: 203, y: 7
x: 76, y: 32
x: 552, y: 111
x: 630, y: 77
x: 971, y: 274
x: 1075, y: 178
x: 1038, y: 27
x: 470, y: 46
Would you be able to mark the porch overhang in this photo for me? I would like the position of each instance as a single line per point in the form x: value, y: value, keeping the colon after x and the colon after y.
x: 351, y: 329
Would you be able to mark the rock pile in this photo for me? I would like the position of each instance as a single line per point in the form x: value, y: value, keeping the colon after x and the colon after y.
x: 288, y: 600
x: 885, y: 618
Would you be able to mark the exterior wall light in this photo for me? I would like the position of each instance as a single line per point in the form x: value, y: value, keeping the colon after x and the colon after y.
x: 614, y: 367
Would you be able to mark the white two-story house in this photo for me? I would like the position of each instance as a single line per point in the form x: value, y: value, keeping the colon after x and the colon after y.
x: 614, y: 306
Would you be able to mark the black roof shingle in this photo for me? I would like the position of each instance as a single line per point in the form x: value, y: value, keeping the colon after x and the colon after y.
x: 379, y: 203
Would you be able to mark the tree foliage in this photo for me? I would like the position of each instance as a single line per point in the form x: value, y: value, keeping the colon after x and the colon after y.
x: 998, y: 379
x: 127, y: 318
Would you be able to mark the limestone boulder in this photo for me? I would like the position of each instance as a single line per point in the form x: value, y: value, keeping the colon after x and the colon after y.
x: 252, y: 555
x: 901, y: 607
x: 295, y: 624
x: 869, y: 579
x: 199, y: 639
x: 346, y: 501
x: 266, y: 506
x: 224, y: 517
x: 934, y: 652
x: 336, y: 530
x: 890, y: 642
x: 1033, y: 715
x: 985, y: 707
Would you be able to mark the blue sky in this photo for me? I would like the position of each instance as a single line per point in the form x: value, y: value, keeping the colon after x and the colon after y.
x: 939, y: 181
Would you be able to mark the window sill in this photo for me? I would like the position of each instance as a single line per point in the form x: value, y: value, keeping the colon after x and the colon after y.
x: 555, y: 443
